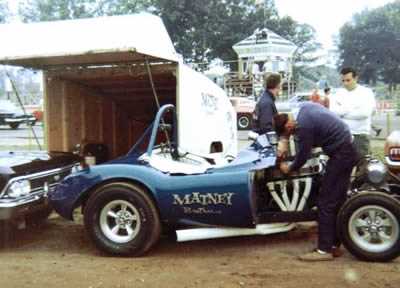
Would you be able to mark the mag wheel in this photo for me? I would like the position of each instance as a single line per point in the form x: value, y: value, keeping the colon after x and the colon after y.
x: 122, y: 219
x: 369, y: 226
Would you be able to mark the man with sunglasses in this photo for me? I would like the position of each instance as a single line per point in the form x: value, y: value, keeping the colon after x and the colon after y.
x: 355, y: 104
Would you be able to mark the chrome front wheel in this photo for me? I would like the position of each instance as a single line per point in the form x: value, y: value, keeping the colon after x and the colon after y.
x: 120, y: 221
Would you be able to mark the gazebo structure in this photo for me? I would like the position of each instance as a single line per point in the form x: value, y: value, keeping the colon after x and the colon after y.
x: 262, y: 52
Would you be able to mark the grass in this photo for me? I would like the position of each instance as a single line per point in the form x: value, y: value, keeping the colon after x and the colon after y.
x: 377, y: 148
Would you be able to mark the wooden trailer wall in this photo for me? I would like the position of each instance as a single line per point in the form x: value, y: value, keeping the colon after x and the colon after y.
x: 108, y: 105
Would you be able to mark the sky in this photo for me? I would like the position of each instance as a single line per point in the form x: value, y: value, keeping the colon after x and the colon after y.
x: 325, y: 16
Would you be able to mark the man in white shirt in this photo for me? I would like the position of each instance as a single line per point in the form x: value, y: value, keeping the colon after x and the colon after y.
x: 355, y: 104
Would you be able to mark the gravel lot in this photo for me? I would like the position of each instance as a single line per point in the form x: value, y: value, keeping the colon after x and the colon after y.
x: 59, y: 254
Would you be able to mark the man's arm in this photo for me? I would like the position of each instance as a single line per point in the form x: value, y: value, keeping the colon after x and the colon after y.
x: 305, y: 142
x: 363, y: 110
x: 336, y: 105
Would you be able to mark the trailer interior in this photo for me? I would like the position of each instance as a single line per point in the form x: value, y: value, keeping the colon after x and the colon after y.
x: 109, y: 104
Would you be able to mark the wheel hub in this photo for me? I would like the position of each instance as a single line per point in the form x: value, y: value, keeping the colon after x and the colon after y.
x: 120, y: 221
x: 374, y: 228
x: 124, y: 218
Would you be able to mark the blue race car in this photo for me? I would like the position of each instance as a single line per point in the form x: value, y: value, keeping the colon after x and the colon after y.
x: 129, y: 201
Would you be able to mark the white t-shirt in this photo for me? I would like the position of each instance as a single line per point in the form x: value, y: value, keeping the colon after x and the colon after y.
x: 355, y: 107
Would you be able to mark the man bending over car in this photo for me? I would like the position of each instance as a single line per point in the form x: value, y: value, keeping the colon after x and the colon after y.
x: 316, y: 126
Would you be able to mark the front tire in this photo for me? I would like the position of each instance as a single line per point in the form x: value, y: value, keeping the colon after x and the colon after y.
x: 14, y: 126
x: 369, y: 226
x: 122, y: 219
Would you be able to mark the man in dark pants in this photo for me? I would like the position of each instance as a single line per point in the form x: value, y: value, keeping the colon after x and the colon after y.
x: 265, y: 107
x: 316, y: 126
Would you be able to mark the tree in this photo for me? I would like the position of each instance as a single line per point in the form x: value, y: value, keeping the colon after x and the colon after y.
x: 200, y: 30
x: 49, y: 10
x: 371, y: 43
x: 121, y: 7
x: 3, y: 17
x: 4, y: 12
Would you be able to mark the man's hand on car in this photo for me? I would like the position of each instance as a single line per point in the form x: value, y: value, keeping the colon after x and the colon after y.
x: 284, y: 167
x: 282, y: 150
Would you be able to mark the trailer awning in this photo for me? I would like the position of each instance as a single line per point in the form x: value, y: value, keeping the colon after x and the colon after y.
x: 84, y: 42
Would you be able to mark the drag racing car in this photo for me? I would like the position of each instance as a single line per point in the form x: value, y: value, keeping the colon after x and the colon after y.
x: 128, y: 202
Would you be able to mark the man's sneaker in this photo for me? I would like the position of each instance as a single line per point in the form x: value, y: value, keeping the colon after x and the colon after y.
x: 316, y: 255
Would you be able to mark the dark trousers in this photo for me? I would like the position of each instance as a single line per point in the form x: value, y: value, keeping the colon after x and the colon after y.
x: 361, y: 143
x: 333, y: 194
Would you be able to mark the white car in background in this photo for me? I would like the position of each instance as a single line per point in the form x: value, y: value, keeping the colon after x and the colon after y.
x: 292, y: 102
x: 13, y: 116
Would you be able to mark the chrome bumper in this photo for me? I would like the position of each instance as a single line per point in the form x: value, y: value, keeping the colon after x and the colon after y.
x: 19, y: 120
x: 15, y: 208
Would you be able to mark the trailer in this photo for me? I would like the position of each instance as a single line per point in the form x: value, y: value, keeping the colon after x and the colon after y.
x: 105, y: 78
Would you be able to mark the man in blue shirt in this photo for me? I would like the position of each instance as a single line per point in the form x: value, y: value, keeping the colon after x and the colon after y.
x: 316, y: 126
x: 265, y: 107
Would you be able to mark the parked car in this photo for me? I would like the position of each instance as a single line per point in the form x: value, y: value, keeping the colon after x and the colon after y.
x: 244, y: 108
x: 25, y: 180
x: 128, y: 202
x: 12, y: 116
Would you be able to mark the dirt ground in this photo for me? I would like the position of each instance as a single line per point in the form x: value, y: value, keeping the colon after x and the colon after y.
x: 59, y: 254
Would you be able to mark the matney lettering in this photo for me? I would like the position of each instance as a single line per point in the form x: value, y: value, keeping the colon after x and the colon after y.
x: 204, y: 199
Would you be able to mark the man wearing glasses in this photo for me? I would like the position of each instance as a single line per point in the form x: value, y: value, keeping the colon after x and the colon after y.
x: 355, y: 104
